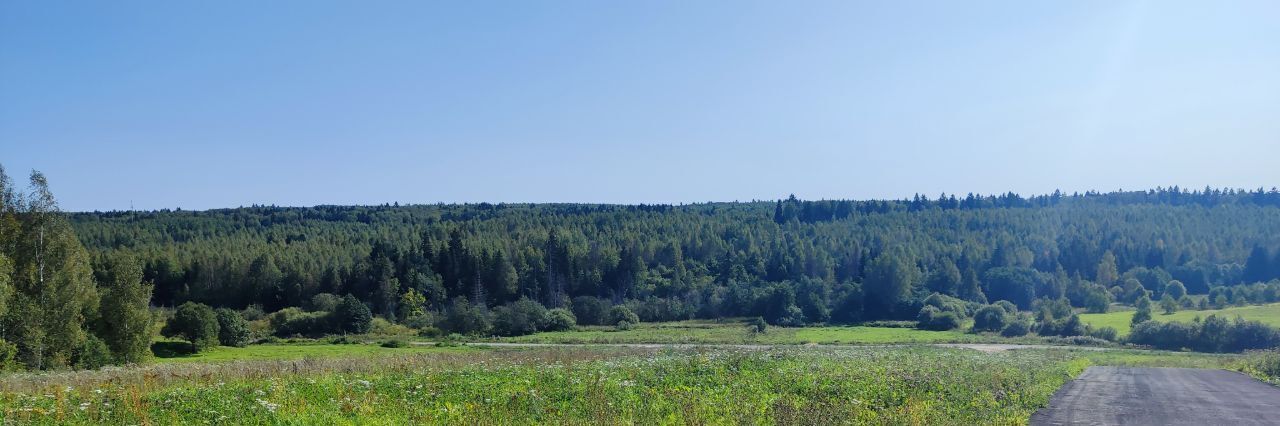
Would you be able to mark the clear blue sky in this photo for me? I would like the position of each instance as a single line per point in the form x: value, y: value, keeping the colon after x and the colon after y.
x: 227, y: 103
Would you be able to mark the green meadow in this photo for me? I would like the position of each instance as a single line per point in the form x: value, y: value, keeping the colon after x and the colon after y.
x: 733, y: 332
x: 792, y: 385
x: 1268, y: 314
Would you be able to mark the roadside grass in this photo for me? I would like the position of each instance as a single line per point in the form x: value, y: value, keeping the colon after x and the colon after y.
x: 1268, y: 314
x: 736, y: 332
x: 792, y: 385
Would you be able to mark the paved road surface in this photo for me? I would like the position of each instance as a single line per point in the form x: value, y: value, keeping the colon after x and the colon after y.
x: 1162, y: 396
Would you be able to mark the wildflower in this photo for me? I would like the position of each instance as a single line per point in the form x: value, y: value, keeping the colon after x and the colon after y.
x: 84, y: 406
x: 268, y: 405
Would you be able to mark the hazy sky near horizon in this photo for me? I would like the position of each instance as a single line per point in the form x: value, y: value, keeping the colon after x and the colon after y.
x: 230, y: 103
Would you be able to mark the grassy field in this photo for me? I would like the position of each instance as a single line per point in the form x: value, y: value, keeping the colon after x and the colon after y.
x: 1269, y: 314
x: 287, y: 351
x: 738, y: 333
x: 910, y: 385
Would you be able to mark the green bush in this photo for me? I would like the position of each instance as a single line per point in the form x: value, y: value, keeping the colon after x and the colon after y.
x: 342, y: 340
x: 352, y: 316
x: 758, y: 325
x: 463, y: 317
x: 430, y: 332
x: 561, y: 320
x: 93, y: 354
x: 990, y: 318
x: 233, y: 330
x: 1104, y: 333
x: 932, y: 318
x: 591, y: 310
x: 295, y: 322
x: 624, y: 325
x: 620, y: 313
x: 9, y: 357
x: 195, y: 323
x: 394, y: 343
x: 1016, y: 328
x: 519, y: 318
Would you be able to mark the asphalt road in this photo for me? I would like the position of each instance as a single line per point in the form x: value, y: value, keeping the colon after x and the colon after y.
x: 1162, y: 396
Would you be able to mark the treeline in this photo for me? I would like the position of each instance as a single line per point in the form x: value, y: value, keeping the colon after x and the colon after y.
x: 791, y: 261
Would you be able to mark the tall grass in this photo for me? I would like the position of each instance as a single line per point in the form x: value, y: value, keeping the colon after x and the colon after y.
x: 574, y: 386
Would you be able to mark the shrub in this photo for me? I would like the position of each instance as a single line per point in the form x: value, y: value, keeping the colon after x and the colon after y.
x: 561, y: 320
x: 93, y: 354
x: 9, y: 357
x: 1214, y: 334
x: 521, y: 317
x: 990, y: 318
x: 591, y: 310
x: 1168, y: 304
x: 1143, y: 313
x: 253, y: 313
x: 1104, y: 333
x: 342, y: 340
x: 1078, y: 341
x: 462, y: 317
x: 1016, y: 328
x: 621, y: 313
x: 1008, y: 306
x: 195, y: 323
x: 1065, y: 327
x: 296, y: 322
x: 430, y: 332
x: 624, y: 325
x: 419, y: 321
x: 758, y: 325
x: 325, y: 302
x: 394, y: 343
x: 233, y: 330
x: 930, y: 318
x: 352, y: 316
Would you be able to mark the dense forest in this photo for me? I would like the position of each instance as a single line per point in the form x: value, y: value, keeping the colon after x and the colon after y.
x: 789, y: 261
x: 88, y: 289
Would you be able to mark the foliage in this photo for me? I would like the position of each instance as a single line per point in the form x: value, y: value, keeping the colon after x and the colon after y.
x: 758, y: 325
x: 352, y: 316
x: 1143, y: 312
x: 1016, y: 328
x: 1213, y: 334
x: 394, y: 343
x: 466, y: 318
x: 521, y: 317
x: 620, y: 313
x: 93, y: 354
x: 195, y: 323
x: 233, y: 330
x: 990, y: 318
x: 126, y: 317
x: 591, y: 310
x: 560, y: 320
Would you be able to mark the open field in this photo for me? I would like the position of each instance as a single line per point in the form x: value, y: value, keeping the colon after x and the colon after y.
x: 287, y: 351
x: 729, y: 332
x: 581, y: 385
x: 1268, y: 314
